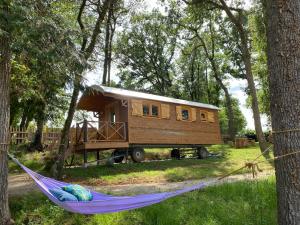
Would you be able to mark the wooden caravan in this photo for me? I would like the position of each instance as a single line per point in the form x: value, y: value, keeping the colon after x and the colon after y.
x: 130, y: 120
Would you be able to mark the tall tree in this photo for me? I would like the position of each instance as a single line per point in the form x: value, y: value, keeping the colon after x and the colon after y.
x: 206, y: 30
x: 41, y: 54
x: 239, y: 119
x: 146, y: 51
x: 194, y: 80
x: 5, y: 54
x: 237, y: 20
x: 109, y: 32
x: 258, y: 33
x: 237, y: 16
x: 88, y: 43
x: 283, y: 62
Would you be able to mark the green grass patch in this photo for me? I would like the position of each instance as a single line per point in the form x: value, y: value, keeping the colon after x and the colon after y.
x: 32, y: 160
x: 249, y: 202
x: 169, y: 170
x: 151, y: 171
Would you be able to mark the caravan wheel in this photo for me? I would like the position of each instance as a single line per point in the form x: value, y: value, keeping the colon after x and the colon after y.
x: 137, y: 154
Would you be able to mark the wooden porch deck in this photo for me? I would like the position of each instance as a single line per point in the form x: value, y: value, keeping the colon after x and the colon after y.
x: 108, y: 135
x: 101, y: 145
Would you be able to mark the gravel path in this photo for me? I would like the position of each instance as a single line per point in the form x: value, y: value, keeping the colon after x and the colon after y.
x: 22, y: 183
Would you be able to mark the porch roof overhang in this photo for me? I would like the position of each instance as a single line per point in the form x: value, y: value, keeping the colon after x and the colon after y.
x: 96, y: 96
x: 93, y: 100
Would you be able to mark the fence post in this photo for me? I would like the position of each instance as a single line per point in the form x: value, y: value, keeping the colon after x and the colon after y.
x: 76, y: 133
x: 85, y: 131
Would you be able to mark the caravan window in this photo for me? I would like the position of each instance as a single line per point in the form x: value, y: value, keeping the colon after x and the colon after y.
x: 154, y: 111
x: 112, y: 117
x: 185, y: 114
x: 203, y: 116
x: 146, y: 110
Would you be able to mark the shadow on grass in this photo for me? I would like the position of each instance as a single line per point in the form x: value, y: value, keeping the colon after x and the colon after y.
x: 177, y: 170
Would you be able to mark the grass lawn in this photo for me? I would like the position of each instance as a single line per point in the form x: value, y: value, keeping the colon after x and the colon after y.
x: 153, y: 171
x: 168, y: 170
x: 249, y: 203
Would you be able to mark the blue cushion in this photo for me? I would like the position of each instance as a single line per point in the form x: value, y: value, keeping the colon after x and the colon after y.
x: 80, y: 192
x: 62, y: 195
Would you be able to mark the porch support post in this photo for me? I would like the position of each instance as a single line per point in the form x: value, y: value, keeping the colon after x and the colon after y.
x: 98, y: 157
x: 126, y: 157
x: 85, y: 158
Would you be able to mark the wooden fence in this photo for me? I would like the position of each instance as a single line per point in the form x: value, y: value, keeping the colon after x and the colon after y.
x: 50, y: 136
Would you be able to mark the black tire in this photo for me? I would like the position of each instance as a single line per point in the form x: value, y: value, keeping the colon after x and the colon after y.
x: 118, y: 156
x: 137, y: 154
x: 202, y: 152
x: 175, y: 153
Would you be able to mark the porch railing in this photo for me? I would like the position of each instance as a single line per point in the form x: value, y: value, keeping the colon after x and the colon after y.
x: 87, y: 131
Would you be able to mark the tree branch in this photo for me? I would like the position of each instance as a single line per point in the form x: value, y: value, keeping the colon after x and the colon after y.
x: 82, y: 28
x: 97, y: 28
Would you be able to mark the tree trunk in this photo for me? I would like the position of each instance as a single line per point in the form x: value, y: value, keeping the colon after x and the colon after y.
x: 37, y: 141
x: 254, y: 101
x: 228, y: 102
x: 109, y: 57
x: 237, y: 21
x: 5, y: 55
x: 23, y: 120
x: 57, y: 169
x: 107, y: 46
x: 217, y: 76
x: 230, y: 115
x: 284, y: 81
x: 105, y: 64
x: 86, y: 52
x: 112, y: 32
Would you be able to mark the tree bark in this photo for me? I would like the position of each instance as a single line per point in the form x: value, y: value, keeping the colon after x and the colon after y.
x: 283, y: 35
x: 5, y: 55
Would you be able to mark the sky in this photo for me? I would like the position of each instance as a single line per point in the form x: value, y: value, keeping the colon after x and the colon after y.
x: 236, y: 86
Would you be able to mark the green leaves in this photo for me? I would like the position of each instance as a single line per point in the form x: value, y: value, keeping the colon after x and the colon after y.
x: 146, y: 51
x: 44, y: 58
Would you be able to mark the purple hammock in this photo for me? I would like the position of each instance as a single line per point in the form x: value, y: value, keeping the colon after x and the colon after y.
x: 102, y: 203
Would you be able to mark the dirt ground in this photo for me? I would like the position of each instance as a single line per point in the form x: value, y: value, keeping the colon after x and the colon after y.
x: 21, y: 184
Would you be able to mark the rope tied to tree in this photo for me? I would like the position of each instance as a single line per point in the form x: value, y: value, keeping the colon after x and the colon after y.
x: 4, y: 144
x: 285, y: 131
x: 253, y: 166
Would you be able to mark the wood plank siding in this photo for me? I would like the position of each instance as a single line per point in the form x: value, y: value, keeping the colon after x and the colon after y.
x: 172, y: 130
